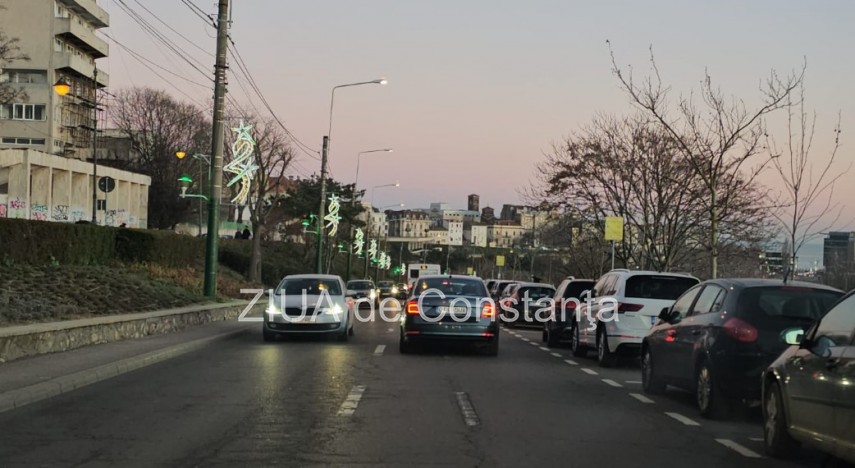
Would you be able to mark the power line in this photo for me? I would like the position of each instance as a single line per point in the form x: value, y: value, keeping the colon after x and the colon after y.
x: 151, y: 62
x: 173, y: 29
x: 199, y: 12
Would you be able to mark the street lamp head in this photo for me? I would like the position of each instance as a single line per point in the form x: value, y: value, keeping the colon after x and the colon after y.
x: 62, y: 87
x: 180, y: 154
x: 381, y: 81
x: 397, y: 184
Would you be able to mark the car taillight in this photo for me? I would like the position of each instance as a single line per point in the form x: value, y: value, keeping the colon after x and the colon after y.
x: 489, y: 310
x: 740, y: 330
x: 569, y: 306
x: 413, y: 307
x: 622, y: 307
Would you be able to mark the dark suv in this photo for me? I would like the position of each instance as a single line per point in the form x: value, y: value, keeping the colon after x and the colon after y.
x: 720, y: 336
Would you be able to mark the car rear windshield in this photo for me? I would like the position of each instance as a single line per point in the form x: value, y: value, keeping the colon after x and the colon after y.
x: 297, y: 286
x: 360, y: 285
x: 385, y: 284
x: 536, y: 292
x: 576, y: 288
x: 789, y: 303
x: 658, y: 286
x: 452, y: 286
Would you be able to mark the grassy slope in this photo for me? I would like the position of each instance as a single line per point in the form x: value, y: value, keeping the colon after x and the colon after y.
x: 31, y: 294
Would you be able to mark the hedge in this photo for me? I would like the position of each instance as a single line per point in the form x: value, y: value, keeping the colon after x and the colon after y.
x: 39, y: 243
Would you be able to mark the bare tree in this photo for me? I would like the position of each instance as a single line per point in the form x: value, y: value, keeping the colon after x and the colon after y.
x: 808, y: 194
x: 158, y: 126
x: 10, y: 51
x: 272, y: 156
x: 719, y: 138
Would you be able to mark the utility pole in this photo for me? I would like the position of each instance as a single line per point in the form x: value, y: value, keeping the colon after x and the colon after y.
x: 322, y: 208
x: 95, y: 149
x: 216, y: 189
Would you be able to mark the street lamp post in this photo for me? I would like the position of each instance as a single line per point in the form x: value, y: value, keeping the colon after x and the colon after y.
x: 324, y: 157
x: 371, y: 215
x: 353, y: 204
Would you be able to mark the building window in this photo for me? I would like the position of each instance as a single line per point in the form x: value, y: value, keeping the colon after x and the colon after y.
x: 57, y: 45
x: 60, y: 11
x: 23, y: 141
x: 24, y: 112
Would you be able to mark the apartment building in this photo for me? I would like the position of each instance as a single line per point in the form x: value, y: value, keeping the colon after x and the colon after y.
x: 60, y: 38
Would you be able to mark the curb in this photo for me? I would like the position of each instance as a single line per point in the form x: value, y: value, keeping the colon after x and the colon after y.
x: 34, y: 393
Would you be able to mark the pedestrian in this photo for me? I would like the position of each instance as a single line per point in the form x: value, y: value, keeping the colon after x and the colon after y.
x: 238, y: 235
x: 246, y: 233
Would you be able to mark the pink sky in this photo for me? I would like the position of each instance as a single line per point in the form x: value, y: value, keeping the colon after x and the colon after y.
x: 479, y: 89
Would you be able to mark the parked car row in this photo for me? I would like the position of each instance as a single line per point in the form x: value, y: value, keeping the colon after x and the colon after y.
x: 790, y: 346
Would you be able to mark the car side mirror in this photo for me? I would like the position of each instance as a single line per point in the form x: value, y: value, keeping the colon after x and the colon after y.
x: 793, y: 336
x: 665, y: 314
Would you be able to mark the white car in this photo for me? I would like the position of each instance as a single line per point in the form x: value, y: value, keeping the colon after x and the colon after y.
x: 309, y: 304
x: 621, y: 309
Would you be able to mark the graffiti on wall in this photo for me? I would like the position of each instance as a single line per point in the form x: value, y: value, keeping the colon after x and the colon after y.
x: 122, y: 217
x: 2, y: 210
x: 77, y: 215
x: 39, y: 212
x: 17, y: 208
x: 110, y: 220
x: 60, y: 213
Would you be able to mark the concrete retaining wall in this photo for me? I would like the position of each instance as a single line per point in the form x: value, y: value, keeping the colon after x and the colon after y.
x: 29, y: 340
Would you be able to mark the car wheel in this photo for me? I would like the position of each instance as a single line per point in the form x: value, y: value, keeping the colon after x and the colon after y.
x: 605, y: 358
x: 649, y: 381
x: 776, y: 436
x: 268, y: 336
x: 576, y: 346
x: 712, y: 403
x: 552, y: 340
x: 493, y: 347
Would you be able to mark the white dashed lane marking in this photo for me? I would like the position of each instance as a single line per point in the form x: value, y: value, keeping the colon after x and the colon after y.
x: 572, y: 363
x: 756, y: 439
x: 612, y: 383
x: 683, y: 419
x: 589, y: 371
x: 641, y: 398
x: 532, y: 343
x: 738, y: 448
x: 352, y: 401
x: 470, y: 417
x: 636, y: 382
x: 379, y: 350
x: 543, y: 348
x: 556, y: 355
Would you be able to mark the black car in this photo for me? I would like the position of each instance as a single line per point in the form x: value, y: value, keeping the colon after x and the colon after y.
x: 719, y: 337
x: 568, y: 296
x: 499, y: 287
x: 524, y: 303
x: 449, y: 308
x: 809, y: 391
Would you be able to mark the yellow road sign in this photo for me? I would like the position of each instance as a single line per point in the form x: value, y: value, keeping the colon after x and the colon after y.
x: 500, y: 260
x: 614, y: 228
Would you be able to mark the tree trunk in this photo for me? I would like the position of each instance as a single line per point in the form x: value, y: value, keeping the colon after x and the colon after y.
x: 254, y: 273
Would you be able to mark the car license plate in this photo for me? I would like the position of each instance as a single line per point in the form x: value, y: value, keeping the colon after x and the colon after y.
x: 452, y: 310
x: 653, y: 320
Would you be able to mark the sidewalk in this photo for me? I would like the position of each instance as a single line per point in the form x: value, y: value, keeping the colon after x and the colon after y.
x: 31, y: 379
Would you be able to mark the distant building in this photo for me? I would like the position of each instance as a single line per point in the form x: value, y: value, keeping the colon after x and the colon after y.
x: 772, y: 263
x: 488, y: 215
x: 505, y: 234
x: 838, y: 251
x: 455, y: 232
x: 475, y: 235
x: 474, y: 203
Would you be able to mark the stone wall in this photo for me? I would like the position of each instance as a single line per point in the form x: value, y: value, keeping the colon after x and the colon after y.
x: 29, y: 340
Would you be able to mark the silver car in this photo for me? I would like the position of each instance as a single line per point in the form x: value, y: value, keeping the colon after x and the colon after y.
x: 309, y: 304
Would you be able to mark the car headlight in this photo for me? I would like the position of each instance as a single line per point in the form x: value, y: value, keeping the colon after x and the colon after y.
x: 394, y: 290
x: 372, y: 294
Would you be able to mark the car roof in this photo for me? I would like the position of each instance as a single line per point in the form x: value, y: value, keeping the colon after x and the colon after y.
x: 651, y: 272
x: 475, y: 278
x: 760, y: 282
x: 539, y: 285
x: 314, y: 276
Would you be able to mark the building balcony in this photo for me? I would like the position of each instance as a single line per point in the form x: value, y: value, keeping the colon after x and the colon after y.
x: 90, y: 11
x: 71, y: 30
x: 70, y: 62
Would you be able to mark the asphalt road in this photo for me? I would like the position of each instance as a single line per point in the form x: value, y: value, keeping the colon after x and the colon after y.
x: 242, y: 402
